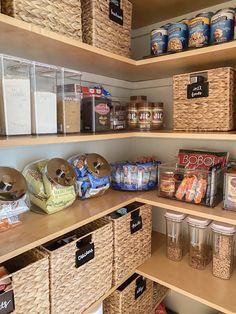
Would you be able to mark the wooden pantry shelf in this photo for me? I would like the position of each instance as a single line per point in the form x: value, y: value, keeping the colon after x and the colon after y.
x: 199, y: 285
x: 36, y: 43
x: 216, y: 213
x: 37, y: 229
x: 32, y: 140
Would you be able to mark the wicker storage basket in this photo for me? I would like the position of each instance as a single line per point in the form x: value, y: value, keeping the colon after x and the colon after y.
x: 62, y: 16
x: 30, y: 281
x: 159, y: 293
x: 131, y: 249
x: 101, y: 32
x: 217, y: 112
x: 132, y: 297
x: 73, y: 289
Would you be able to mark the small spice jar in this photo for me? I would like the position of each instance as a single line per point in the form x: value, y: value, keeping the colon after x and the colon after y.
x: 145, y: 116
x: 200, y: 251
x: 132, y: 115
x: 174, y: 235
x: 157, y: 115
x: 167, y: 184
x: 223, y: 249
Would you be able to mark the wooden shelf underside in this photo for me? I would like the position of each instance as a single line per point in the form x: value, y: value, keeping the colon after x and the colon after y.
x: 199, y: 285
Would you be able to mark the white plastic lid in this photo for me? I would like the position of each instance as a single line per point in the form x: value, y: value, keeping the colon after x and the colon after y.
x: 176, y: 216
x: 198, y: 222
x: 223, y: 227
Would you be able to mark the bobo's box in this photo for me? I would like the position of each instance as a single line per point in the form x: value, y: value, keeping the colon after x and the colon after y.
x: 205, y: 101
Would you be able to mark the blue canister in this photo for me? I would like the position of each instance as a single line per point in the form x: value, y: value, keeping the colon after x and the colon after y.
x: 222, y: 26
x: 158, y: 41
x: 177, y: 37
x: 199, y: 30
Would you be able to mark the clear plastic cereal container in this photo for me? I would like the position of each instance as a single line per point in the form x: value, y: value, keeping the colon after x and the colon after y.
x: 223, y: 249
x: 200, y: 251
x: 174, y: 235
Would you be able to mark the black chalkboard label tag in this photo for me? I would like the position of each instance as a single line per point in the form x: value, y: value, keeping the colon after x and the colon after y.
x: 198, y: 90
x: 84, y: 255
x: 140, y: 288
x: 7, y: 304
x: 136, y: 224
x: 115, y: 13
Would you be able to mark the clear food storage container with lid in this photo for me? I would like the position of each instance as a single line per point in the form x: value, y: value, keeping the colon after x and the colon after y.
x: 223, y: 249
x: 15, y: 102
x: 174, y: 235
x: 200, y: 251
x: 44, y: 99
x: 68, y: 101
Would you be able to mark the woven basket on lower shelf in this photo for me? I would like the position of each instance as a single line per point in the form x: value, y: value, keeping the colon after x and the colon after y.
x: 159, y: 292
x: 30, y: 281
x: 131, y: 246
x: 62, y: 16
x: 132, y: 297
x: 100, y: 31
x: 73, y: 289
x: 216, y: 112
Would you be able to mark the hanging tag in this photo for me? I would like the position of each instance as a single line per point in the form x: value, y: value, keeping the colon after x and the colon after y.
x: 140, y: 288
x: 7, y: 304
x: 198, y: 90
x: 116, y: 2
x: 136, y: 222
x: 115, y: 13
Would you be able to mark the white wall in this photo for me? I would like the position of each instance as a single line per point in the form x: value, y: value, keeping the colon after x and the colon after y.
x: 141, y: 36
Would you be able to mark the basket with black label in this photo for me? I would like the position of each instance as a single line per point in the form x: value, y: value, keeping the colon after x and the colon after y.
x: 80, y: 267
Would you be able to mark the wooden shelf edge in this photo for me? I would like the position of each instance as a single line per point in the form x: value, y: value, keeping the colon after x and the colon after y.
x: 31, y: 140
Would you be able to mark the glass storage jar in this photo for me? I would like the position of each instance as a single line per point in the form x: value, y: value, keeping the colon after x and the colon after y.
x: 200, y: 251
x: 223, y: 249
x: 174, y: 235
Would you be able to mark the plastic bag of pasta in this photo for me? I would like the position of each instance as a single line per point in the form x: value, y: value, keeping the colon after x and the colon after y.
x: 51, y: 184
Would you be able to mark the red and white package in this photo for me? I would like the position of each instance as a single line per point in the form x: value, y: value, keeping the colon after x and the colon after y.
x: 161, y: 309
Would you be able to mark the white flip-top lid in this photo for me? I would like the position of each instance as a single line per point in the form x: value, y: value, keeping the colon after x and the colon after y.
x: 223, y: 227
x: 176, y: 216
x: 198, y: 221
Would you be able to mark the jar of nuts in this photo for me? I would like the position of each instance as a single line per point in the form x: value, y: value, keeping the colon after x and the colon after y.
x: 200, y: 251
x: 174, y: 235
x: 223, y: 249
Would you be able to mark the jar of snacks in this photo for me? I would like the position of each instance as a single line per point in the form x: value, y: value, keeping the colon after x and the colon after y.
x: 167, y: 184
x: 223, y: 249
x: 132, y: 115
x: 174, y: 235
x: 200, y: 251
x: 145, y: 116
x: 157, y: 115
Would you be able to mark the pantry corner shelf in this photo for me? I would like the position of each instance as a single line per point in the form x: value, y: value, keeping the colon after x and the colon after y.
x: 33, y: 42
x: 199, y: 285
x: 32, y: 140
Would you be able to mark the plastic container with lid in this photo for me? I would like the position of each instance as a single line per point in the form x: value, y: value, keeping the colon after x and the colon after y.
x: 223, y: 249
x: 200, y: 251
x: 230, y: 189
x: 174, y: 235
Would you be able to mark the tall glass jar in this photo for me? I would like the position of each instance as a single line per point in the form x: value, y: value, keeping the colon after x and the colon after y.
x: 200, y: 251
x: 223, y: 249
x: 174, y: 235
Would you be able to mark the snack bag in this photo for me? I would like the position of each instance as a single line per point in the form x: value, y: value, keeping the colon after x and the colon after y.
x: 51, y: 184
x: 13, y: 197
x: 92, y: 174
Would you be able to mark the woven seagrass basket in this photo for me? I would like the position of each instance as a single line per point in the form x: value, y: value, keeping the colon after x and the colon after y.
x: 159, y: 292
x: 100, y: 31
x: 128, y: 300
x: 30, y: 281
x: 131, y: 249
x: 73, y: 289
x: 217, y: 112
x: 62, y: 16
